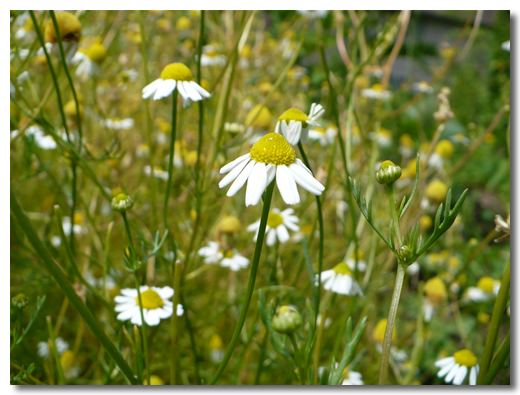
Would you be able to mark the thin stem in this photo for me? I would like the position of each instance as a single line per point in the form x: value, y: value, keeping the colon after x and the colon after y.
x: 61, y: 378
x: 296, y: 356
x: 503, y: 352
x: 395, y: 217
x: 494, y: 325
x: 387, y: 343
x: 123, y: 214
x: 174, y: 323
x: 143, y: 327
x: 251, y: 283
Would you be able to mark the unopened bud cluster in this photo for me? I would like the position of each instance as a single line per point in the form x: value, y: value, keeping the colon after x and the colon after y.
x: 122, y: 203
x: 444, y: 114
x: 286, y: 320
x: 388, y: 172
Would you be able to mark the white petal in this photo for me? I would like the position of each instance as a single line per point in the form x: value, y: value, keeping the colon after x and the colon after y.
x: 125, y: 315
x: 190, y: 90
x: 461, y: 375
x: 306, y: 180
x: 151, y: 317
x: 444, y: 371
x: 304, y: 167
x: 453, y: 372
x: 241, y: 179
x: 165, y: 89
x: 129, y: 292
x: 230, y: 177
x: 231, y: 165
x: 282, y: 233
x: 165, y: 292
x: 271, y: 172
x: 163, y: 313
x: 287, y: 185
x: 271, y: 237
x: 203, y: 92
x: 180, y: 310
x: 277, y: 127
x: 183, y: 92
x: 473, y: 376
x: 125, y: 307
x: 254, y: 226
x: 444, y: 361
x: 256, y: 184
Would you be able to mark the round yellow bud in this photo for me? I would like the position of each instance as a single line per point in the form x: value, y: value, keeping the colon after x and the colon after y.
x: 69, y: 26
x: 445, y: 148
x: 259, y: 117
x: 436, y: 191
x: 425, y: 223
x: 229, y: 224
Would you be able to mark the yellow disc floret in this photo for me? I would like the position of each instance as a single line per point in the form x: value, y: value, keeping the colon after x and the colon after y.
x: 97, y: 53
x: 435, y: 290
x: 343, y: 268
x: 436, y: 191
x: 444, y: 148
x: 293, y: 114
x: 229, y: 224
x: 183, y: 23
x: 69, y: 26
x: 274, y: 149
x: 151, y: 300
x: 465, y: 358
x: 177, y: 72
x: 274, y: 220
x: 486, y: 284
x: 215, y: 343
x: 259, y: 117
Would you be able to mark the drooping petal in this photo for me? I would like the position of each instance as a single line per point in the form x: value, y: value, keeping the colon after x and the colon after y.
x: 271, y: 237
x: 129, y: 292
x: 460, y: 376
x: 287, y: 185
x: 473, y: 376
x: 306, y: 180
x: 282, y: 233
x: 447, y: 368
x: 203, y: 92
x: 190, y: 90
x: 256, y: 184
x: 164, y: 292
x: 453, y: 372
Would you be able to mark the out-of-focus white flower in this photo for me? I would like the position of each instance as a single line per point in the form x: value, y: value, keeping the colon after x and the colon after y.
x: 158, y: 172
x: 313, y: 14
x: 376, y: 92
x: 44, y: 347
x: 506, y: 46
x: 422, y: 86
x: 119, y: 124
x: 210, y: 57
x: 277, y: 224
x: 340, y: 279
x: 43, y: 141
x: 324, y: 136
x: 486, y: 289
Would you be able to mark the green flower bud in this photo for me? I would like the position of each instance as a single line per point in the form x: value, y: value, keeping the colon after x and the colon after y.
x: 20, y: 301
x: 404, y: 253
x: 122, y: 203
x: 286, y: 320
x: 388, y: 172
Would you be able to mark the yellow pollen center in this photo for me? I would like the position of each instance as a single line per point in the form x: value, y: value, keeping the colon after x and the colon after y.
x: 151, y: 300
x: 377, y: 87
x: 435, y: 290
x: 97, y: 53
x: 177, y: 72
x: 274, y: 220
x: 343, y: 268
x: 465, y: 358
x: 69, y: 26
x: 274, y: 149
x: 229, y: 254
x: 486, y: 284
x: 78, y: 218
x: 293, y: 114
x: 345, y: 374
x: 319, y: 129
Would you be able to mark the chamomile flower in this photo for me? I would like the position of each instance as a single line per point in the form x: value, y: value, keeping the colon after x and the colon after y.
x: 443, y: 150
x: 89, y: 62
x: 406, y: 146
x: 506, y: 46
x: 486, y: 289
x: 351, y: 262
x: 436, y: 292
x: 158, y: 172
x: 77, y: 228
x: 324, y: 136
x: 234, y: 261
x: 156, y: 305
x: 271, y: 156
x: 44, y: 348
x: 70, y: 33
x: 456, y: 367
x: 175, y: 75
x: 119, y: 124
x: 340, y: 279
x: 216, y: 347
x: 213, y: 253
x: 293, y: 124
x: 422, y: 86
x: 277, y: 224
x: 43, y: 141
x: 376, y: 92
x: 352, y: 378
x: 210, y: 57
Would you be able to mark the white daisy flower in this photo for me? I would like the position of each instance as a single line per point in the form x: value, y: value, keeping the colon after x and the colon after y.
x: 351, y: 262
x: 376, y: 92
x: 211, y: 57
x: 43, y: 141
x: 119, y: 124
x: 294, y: 124
x: 486, y: 289
x: 270, y: 156
x: 175, y: 75
x: 277, y: 224
x: 506, y: 46
x: 68, y: 228
x: 44, y: 347
x: 156, y: 305
x: 56, y: 241
x: 352, y: 378
x: 95, y: 278
x: 383, y: 136
x: 234, y: 260
x: 324, y: 136
x: 233, y: 127
x: 456, y: 368
x: 211, y: 253
x: 158, y: 172
x: 89, y: 62
x: 340, y: 279
x: 422, y: 86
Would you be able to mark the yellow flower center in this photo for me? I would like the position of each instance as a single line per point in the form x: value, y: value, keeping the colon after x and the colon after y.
x: 293, y: 114
x: 215, y: 343
x: 359, y: 255
x: 274, y: 220
x: 465, y: 358
x: 274, y: 149
x: 78, y: 218
x: 377, y: 87
x: 229, y: 254
x: 151, y: 300
x: 435, y: 290
x: 306, y: 229
x: 345, y: 374
x: 319, y: 129
x: 259, y: 117
x: 343, y: 268
x: 97, y: 53
x: 406, y: 141
x: 177, y: 72
x: 183, y: 23
x: 436, y: 191
x: 444, y: 148
x: 69, y: 26
x: 486, y: 284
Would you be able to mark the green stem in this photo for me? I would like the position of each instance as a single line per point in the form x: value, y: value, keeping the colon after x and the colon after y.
x: 143, y: 327
x: 395, y: 217
x: 251, y: 283
x: 174, y: 323
x: 68, y: 289
x: 61, y: 378
x: 387, y: 343
x: 125, y: 220
x: 494, y: 325
x: 502, y: 354
x: 296, y: 356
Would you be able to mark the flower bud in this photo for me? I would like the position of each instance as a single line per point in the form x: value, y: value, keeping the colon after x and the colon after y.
x: 21, y: 301
x: 122, y: 203
x: 388, y: 172
x: 286, y: 320
x: 404, y: 253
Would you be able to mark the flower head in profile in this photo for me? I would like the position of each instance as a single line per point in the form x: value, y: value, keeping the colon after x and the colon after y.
x: 324, y: 136
x: 376, y: 92
x: 156, y: 305
x: 70, y: 33
x: 277, y: 224
x: 214, y: 253
x: 293, y: 124
x: 340, y: 280
x: 436, y: 292
x: 271, y: 156
x: 90, y: 61
x: 210, y: 57
x: 486, y: 289
x: 352, y: 378
x: 456, y: 367
x: 175, y: 75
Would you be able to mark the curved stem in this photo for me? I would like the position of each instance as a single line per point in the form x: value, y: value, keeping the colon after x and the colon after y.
x: 395, y: 217
x: 494, y: 325
x: 387, y: 343
x: 251, y: 283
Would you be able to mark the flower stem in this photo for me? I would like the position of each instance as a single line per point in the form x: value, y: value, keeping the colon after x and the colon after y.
x: 296, y: 357
x: 251, y: 283
x: 174, y: 323
x: 61, y: 378
x: 494, y: 325
x: 143, y: 327
x: 387, y: 343
x: 395, y: 217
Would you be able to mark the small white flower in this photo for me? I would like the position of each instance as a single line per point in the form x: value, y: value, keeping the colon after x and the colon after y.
x: 376, y: 92
x: 43, y: 141
x: 422, y: 86
x: 211, y: 253
x: 272, y: 156
x: 456, y: 368
x: 175, y: 75
x: 44, y: 348
x: 233, y: 260
x: 158, y: 172
x: 293, y: 124
x: 413, y: 269
x: 506, y: 46
x: 156, y: 305
x: 67, y: 227
x: 324, y: 136
x: 56, y: 241
x: 119, y: 124
x: 210, y: 57
x: 277, y: 224
x: 352, y: 378
x: 340, y: 280
x: 485, y: 290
